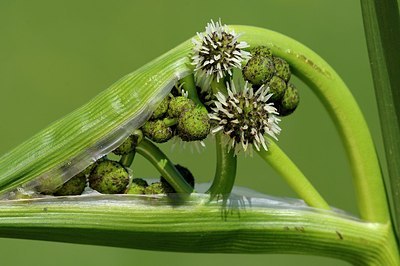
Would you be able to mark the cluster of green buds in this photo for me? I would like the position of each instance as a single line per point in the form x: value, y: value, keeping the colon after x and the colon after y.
x: 265, y: 69
x: 177, y: 116
x: 105, y: 176
x: 111, y: 177
x: 140, y: 186
x: 245, y: 115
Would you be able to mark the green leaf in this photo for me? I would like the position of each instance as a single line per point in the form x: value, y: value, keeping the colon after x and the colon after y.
x: 251, y: 225
x: 382, y: 30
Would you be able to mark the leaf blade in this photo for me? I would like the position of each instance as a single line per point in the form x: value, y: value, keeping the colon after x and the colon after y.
x: 382, y: 31
x: 97, y: 127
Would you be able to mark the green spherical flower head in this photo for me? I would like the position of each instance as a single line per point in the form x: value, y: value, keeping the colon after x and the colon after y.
x: 91, y: 166
x: 179, y: 105
x: 129, y: 144
x: 157, y: 131
x: 194, y: 125
x: 259, y: 70
x: 75, y: 186
x: 126, y: 147
x: 277, y: 87
x: 282, y: 69
x: 155, y: 188
x: 290, y: 101
x: 187, y: 175
x: 109, y: 177
x: 262, y: 51
x: 161, y: 109
x: 138, y: 186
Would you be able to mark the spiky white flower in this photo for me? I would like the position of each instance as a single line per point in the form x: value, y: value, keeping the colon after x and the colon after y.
x: 216, y: 52
x: 245, y: 117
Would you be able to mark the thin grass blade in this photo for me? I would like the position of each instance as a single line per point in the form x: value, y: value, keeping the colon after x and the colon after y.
x: 382, y: 30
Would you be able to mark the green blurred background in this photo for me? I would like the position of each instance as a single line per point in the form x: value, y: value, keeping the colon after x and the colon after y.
x: 56, y: 55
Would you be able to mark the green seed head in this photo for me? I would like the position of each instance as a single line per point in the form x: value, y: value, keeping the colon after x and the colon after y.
x: 128, y: 145
x: 194, y: 125
x: 259, y: 70
x: 155, y: 188
x: 75, y: 186
x: 161, y: 109
x: 157, y: 131
x: 290, y: 101
x: 282, y: 69
x: 91, y: 166
x: 179, y: 105
x: 187, y: 175
x: 277, y: 87
x: 262, y: 51
x: 109, y: 177
x: 138, y: 186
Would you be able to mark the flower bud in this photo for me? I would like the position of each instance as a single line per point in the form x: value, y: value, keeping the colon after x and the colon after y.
x: 109, y: 177
x: 259, y: 70
x: 161, y: 109
x: 128, y: 145
x: 282, y: 69
x: 262, y: 51
x: 155, y: 188
x: 277, y: 87
x: 75, y: 186
x: 193, y: 125
x: 290, y: 101
x: 138, y: 186
x: 179, y: 105
x: 157, y: 131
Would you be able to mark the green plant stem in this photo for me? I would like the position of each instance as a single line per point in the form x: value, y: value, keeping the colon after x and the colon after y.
x: 170, y: 121
x: 189, y: 85
x: 382, y: 32
x: 292, y: 175
x: 166, y: 168
x: 225, y: 173
x: 344, y: 111
x: 126, y: 160
x: 147, y: 223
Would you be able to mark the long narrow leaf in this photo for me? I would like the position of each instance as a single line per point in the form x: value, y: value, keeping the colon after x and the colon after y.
x: 382, y: 30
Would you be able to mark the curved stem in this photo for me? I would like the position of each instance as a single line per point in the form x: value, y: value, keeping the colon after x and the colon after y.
x: 166, y: 168
x: 170, y: 121
x: 292, y: 175
x: 126, y: 160
x: 225, y: 173
x: 344, y: 111
x: 198, y: 227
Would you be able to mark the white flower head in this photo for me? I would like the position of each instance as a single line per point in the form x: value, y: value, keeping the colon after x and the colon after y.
x: 216, y: 52
x: 245, y: 117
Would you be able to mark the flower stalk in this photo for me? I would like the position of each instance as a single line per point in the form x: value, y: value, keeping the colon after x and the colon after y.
x: 225, y: 172
x: 292, y: 175
x: 166, y: 168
